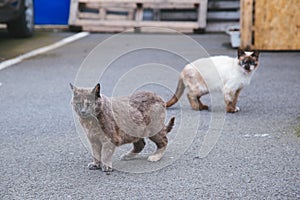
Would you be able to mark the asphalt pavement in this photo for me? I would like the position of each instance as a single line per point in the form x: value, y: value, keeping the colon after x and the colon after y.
x: 257, y: 155
x: 12, y: 47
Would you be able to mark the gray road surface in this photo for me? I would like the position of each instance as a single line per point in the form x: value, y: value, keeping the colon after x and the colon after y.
x: 42, y: 157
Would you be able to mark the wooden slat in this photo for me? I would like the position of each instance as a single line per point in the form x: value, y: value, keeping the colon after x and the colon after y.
x: 84, y: 15
x: 103, y: 29
x: 223, y: 16
x: 139, y: 14
x: 164, y: 5
x: 132, y: 24
x: 246, y: 23
x: 102, y: 13
x: 153, y: 30
x: 110, y: 5
x: 179, y: 16
x: 73, y: 12
x: 202, y: 13
x: 223, y: 5
x: 121, y: 29
x: 140, y: 1
x: 130, y: 15
x: 116, y: 17
x: 118, y: 9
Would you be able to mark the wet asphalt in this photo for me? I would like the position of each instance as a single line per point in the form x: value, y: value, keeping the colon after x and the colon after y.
x: 42, y: 157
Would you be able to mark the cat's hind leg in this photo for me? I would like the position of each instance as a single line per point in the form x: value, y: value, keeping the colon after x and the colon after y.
x: 137, y: 148
x: 194, y: 99
x: 161, y: 142
x: 201, y: 105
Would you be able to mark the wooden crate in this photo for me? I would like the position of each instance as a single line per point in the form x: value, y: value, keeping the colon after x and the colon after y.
x: 119, y: 15
x: 270, y: 24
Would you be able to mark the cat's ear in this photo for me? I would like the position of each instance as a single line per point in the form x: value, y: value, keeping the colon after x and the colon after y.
x: 241, y: 52
x: 96, y: 90
x: 255, y: 54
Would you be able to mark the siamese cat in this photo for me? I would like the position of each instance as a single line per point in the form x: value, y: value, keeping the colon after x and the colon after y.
x: 235, y: 73
x: 110, y: 122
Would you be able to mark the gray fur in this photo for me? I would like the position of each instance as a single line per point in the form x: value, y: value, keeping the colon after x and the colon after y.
x: 111, y: 122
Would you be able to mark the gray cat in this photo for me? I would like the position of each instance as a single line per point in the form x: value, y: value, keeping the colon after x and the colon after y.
x: 113, y: 121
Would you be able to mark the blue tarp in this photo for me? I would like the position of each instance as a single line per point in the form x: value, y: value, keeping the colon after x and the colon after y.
x: 51, y: 12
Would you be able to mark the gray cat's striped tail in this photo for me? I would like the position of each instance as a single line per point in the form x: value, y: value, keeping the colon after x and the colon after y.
x: 170, y: 125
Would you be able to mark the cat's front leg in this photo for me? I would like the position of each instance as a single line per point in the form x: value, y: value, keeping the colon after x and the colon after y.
x: 107, y: 152
x: 231, y: 98
x: 96, y: 148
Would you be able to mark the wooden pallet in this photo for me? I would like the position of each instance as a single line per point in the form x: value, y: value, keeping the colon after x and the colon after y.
x: 222, y: 14
x: 270, y: 25
x: 120, y: 15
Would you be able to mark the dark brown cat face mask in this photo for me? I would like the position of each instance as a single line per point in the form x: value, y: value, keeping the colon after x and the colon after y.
x: 248, y: 61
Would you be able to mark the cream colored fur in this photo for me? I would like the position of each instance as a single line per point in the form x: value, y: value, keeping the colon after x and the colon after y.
x: 214, y: 73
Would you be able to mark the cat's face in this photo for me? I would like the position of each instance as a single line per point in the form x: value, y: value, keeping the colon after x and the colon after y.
x: 84, y: 100
x: 248, y: 60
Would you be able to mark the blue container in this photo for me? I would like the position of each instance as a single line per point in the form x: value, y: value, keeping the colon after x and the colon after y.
x: 51, y: 12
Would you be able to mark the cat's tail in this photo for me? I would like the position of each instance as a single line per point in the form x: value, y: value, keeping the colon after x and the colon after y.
x: 179, y: 91
x: 170, y: 125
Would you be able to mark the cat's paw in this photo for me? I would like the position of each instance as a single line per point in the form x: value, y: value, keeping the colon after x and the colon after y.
x: 107, y: 169
x: 154, y: 158
x: 128, y: 156
x: 94, y: 166
x: 233, y: 109
x: 203, y: 107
